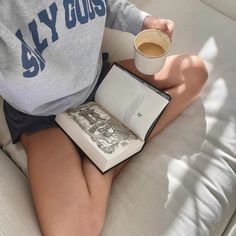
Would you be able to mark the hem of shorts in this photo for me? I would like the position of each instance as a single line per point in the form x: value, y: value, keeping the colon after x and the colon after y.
x: 33, y: 130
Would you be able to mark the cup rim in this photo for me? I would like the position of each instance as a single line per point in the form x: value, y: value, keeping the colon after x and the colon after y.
x: 165, y: 35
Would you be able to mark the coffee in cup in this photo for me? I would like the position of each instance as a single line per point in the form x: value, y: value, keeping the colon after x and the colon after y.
x: 150, y: 50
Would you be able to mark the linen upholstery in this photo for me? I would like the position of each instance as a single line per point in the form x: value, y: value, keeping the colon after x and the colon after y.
x: 17, y: 212
x: 184, y: 181
x: 227, y: 7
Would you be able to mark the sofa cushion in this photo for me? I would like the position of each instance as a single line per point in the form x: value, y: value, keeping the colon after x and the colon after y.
x: 17, y: 215
x: 231, y: 228
x: 227, y: 7
x: 17, y: 153
x: 180, y: 184
x: 184, y: 181
x: 4, y: 131
x: 14, y: 151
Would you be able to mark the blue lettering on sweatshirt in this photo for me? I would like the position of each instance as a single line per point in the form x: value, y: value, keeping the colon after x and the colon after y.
x: 76, y: 12
x: 32, y: 61
x: 51, y: 23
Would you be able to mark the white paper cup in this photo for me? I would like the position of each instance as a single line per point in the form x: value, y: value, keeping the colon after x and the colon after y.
x: 146, y: 64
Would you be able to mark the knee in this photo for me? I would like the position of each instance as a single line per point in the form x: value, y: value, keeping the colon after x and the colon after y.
x: 95, y: 224
x: 192, y: 71
x: 89, y: 224
x: 198, y: 70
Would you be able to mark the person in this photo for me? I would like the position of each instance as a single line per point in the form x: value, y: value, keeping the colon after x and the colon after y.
x: 50, y: 60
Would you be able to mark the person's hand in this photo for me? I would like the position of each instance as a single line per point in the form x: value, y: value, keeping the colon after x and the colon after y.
x: 165, y: 25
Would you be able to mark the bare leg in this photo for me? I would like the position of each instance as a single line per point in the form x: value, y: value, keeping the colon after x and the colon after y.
x: 182, y: 77
x: 64, y: 202
x: 71, y: 196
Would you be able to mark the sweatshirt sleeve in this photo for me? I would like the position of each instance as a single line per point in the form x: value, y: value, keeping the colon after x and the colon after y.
x: 125, y: 16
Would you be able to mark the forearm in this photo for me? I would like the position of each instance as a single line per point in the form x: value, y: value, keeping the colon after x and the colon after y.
x: 124, y: 16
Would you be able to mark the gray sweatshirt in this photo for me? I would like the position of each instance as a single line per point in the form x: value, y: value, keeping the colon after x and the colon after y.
x: 50, y: 51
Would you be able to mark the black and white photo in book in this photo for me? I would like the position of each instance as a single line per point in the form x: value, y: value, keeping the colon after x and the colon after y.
x: 107, y: 133
x: 116, y: 125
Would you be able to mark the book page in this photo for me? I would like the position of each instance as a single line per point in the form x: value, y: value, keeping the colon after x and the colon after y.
x: 130, y: 101
x: 107, y: 135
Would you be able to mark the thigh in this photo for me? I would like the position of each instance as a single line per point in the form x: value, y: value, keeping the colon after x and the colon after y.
x: 56, y: 179
x: 177, y: 70
x: 182, y: 77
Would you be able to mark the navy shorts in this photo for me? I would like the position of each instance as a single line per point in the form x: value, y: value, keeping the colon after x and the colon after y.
x: 19, y: 122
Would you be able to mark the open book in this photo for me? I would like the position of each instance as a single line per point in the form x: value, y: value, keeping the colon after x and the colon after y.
x: 116, y: 125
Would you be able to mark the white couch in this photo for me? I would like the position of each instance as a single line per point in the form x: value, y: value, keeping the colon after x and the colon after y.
x: 184, y: 182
